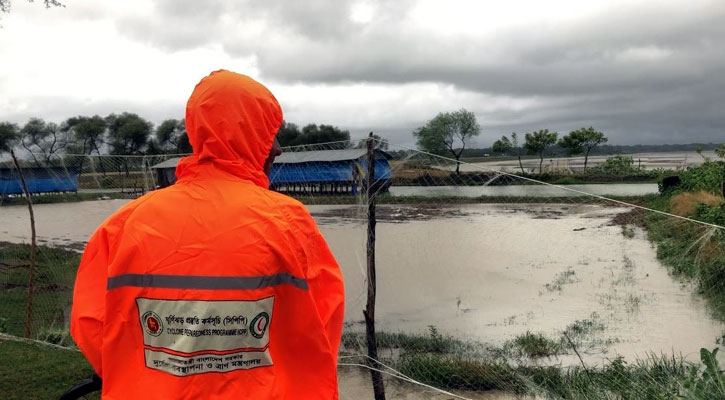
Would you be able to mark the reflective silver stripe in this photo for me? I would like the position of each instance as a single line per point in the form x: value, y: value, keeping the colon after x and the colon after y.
x: 204, y: 282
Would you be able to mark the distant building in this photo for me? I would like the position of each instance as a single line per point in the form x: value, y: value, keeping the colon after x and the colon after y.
x: 328, y: 171
x: 166, y: 172
x: 311, y: 172
x: 39, y: 180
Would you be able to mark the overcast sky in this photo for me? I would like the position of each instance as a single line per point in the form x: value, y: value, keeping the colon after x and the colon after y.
x: 641, y: 71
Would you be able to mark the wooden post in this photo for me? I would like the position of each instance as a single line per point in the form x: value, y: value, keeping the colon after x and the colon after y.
x: 378, y: 388
x: 31, y: 272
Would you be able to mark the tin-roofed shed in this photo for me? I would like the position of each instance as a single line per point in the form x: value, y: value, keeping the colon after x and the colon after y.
x: 311, y: 172
x: 328, y: 171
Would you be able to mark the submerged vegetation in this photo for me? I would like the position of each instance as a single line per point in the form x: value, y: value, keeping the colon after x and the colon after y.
x: 475, y: 367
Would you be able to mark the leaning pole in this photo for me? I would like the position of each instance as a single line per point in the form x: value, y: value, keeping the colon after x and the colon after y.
x: 31, y: 266
x: 369, y: 312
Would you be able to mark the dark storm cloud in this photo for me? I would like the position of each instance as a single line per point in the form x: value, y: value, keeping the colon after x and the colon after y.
x: 645, y: 72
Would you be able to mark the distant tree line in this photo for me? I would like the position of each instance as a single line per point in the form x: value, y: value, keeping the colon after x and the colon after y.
x: 130, y: 134
x: 608, y: 149
x: 450, y: 134
x: 117, y: 134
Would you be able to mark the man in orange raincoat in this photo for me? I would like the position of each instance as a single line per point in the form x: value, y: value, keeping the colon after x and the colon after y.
x: 214, y: 287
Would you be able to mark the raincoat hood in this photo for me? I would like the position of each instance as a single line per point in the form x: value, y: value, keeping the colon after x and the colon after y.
x: 231, y: 121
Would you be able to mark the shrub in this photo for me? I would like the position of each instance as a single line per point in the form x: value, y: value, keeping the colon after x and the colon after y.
x: 708, y: 177
x: 617, y: 165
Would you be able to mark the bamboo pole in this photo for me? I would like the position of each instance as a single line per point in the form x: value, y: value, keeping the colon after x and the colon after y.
x: 378, y: 387
x: 31, y: 272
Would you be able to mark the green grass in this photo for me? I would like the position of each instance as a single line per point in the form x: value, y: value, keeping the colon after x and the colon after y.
x: 31, y: 371
x: 654, y: 378
x: 534, y: 345
x: 53, y: 288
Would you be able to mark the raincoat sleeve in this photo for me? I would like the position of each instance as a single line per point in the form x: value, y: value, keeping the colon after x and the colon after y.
x: 89, y: 295
x: 325, y: 281
x: 324, y: 278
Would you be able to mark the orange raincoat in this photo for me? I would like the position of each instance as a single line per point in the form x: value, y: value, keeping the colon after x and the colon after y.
x: 214, y: 287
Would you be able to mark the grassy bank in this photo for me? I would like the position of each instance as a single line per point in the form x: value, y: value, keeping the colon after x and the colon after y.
x: 30, y: 371
x: 54, y: 275
x: 691, y: 251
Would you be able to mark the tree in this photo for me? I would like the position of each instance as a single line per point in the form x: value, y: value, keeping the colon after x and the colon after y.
x: 9, y: 135
x: 720, y: 151
x: 41, y: 138
x: 582, y: 140
x: 510, y: 147
x: 448, y: 133
x: 289, y: 134
x: 538, y: 142
x: 128, y: 133
x: 88, y: 133
x: 313, y: 134
x: 171, y: 138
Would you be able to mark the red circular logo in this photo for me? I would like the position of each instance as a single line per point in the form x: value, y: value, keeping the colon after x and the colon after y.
x: 152, y: 323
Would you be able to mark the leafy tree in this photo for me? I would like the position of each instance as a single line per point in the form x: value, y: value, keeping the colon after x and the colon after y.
x: 582, y: 140
x: 128, y: 133
x: 509, y: 147
x: 538, y: 142
x: 88, y: 133
x: 313, y: 134
x: 448, y: 133
x: 171, y: 138
x: 290, y: 135
x: 9, y: 135
x: 720, y: 151
x: 43, y: 138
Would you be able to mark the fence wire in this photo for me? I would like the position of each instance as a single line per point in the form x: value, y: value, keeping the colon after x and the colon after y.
x: 502, y: 280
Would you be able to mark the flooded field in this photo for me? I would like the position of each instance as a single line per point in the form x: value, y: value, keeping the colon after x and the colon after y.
x: 484, y: 272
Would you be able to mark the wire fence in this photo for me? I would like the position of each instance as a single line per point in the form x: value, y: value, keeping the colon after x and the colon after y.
x: 490, y: 281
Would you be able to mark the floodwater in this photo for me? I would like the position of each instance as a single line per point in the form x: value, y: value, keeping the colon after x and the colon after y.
x: 490, y: 272
x: 608, y: 189
x: 485, y: 272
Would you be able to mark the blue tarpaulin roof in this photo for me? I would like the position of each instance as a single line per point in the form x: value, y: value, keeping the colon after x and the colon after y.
x: 337, y: 171
x: 316, y: 166
x: 38, y: 180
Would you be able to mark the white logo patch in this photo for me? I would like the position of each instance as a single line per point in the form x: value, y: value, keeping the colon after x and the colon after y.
x: 200, y: 327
